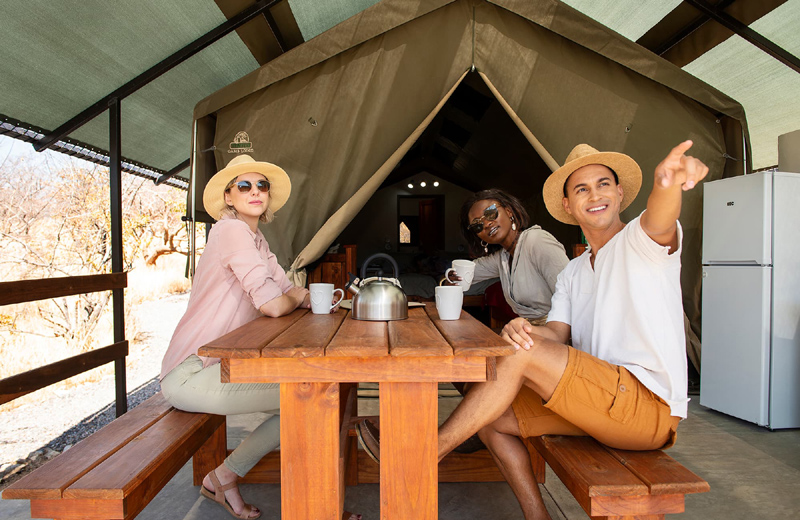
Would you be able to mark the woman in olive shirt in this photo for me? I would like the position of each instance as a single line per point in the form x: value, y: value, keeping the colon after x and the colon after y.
x: 526, y: 259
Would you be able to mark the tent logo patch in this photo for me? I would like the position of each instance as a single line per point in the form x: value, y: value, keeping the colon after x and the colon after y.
x: 241, y: 144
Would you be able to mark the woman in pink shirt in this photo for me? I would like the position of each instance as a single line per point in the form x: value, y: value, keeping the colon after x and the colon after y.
x: 238, y: 279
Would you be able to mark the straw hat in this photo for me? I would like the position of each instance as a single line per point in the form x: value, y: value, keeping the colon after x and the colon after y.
x: 279, y: 184
x: 629, y: 173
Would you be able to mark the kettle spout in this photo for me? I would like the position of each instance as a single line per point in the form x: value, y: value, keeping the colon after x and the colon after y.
x: 352, y: 286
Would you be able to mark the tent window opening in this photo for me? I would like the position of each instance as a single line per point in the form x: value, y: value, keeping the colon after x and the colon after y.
x: 405, y: 234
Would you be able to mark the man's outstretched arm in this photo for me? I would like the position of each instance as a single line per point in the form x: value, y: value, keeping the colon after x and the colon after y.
x: 677, y: 173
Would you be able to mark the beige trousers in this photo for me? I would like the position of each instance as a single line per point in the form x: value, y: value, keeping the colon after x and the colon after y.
x: 192, y: 388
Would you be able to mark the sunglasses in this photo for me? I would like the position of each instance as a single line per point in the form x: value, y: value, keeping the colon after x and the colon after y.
x: 490, y: 213
x: 246, y: 186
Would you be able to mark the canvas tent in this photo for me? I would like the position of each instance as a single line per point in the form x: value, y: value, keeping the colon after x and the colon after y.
x: 341, y: 111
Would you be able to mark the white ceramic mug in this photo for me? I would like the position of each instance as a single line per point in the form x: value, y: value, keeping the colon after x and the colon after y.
x: 322, y: 296
x: 449, y: 299
x: 465, y: 269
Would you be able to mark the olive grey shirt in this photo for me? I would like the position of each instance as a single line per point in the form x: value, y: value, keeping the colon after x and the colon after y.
x: 530, y: 281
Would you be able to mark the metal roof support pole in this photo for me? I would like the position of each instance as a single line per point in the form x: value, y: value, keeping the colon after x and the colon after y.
x: 176, y: 170
x: 685, y: 31
x: 118, y: 295
x: 261, y: 6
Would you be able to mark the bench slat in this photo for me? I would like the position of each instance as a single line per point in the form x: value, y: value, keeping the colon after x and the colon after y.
x: 49, y: 481
x: 146, y: 463
x: 662, y: 474
x: 586, y: 469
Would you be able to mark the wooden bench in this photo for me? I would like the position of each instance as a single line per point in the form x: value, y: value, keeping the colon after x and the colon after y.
x: 606, y: 482
x: 610, y: 483
x: 116, y: 472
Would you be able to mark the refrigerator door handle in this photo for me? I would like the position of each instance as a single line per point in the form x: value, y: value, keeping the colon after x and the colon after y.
x: 747, y: 263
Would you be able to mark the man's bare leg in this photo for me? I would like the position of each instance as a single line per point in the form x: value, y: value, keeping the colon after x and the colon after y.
x: 513, y: 460
x: 540, y: 368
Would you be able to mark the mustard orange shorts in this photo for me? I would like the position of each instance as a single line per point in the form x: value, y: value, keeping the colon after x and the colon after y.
x: 601, y: 400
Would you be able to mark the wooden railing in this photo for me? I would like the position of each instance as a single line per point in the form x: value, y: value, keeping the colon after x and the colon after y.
x: 32, y: 290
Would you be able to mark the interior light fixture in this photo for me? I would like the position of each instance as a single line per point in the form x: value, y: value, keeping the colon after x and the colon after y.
x: 410, y: 185
x: 422, y: 184
x: 435, y: 183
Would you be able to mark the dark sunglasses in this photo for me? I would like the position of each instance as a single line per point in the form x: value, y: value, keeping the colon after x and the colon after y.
x: 246, y: 186
x: 490, y: 213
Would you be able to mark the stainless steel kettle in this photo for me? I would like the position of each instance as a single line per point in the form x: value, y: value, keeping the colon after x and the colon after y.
x: 378, y: 298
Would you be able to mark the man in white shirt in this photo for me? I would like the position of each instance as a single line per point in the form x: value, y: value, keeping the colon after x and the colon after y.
x: 623, y: 380
x: 610, y: 362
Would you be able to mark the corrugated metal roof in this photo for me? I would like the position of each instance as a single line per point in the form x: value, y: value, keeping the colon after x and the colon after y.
x: 61, y: 57
x: 768, y: 89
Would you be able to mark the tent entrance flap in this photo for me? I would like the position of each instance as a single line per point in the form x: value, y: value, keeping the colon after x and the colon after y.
x: 339, y: 220
x: 473, y: 144
x: 537, y: 145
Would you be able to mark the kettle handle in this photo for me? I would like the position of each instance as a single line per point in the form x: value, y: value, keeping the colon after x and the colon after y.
x: 379, y: 255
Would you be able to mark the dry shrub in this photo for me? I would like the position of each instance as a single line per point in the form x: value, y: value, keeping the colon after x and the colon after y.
x: 22, y: 352
x: 150, y: 282
x: 56, y: 223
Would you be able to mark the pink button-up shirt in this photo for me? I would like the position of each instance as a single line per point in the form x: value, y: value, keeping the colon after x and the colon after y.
x: 235, y: 276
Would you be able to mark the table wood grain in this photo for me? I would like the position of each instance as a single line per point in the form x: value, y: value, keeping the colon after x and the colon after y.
x: 302, y: 334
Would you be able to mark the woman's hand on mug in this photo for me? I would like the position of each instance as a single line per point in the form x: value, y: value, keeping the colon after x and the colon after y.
x: 301, y: 296
x: 517, y: 332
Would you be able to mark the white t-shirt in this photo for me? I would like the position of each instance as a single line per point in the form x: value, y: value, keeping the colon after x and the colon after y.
x: 628, y: 310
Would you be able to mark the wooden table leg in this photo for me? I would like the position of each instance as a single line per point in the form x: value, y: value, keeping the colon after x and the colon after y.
x: 409, y: 451
x: 310, y: 484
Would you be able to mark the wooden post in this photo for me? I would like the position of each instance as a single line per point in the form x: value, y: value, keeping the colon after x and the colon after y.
x: 409, y: 470
x: 310, y: 483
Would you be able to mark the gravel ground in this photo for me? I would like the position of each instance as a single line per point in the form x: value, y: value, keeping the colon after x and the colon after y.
x: 31, y: 434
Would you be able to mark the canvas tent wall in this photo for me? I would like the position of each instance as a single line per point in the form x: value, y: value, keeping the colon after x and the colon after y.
x: 340, y: 111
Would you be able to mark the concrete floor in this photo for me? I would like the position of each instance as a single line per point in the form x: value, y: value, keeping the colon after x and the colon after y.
x: 754, y: 473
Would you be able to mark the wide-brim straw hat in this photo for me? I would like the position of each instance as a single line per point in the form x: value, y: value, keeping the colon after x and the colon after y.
x: 628, y: 172
x: 280, y: 187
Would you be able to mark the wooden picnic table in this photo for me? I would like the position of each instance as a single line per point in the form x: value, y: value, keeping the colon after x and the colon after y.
x: 311, y: 354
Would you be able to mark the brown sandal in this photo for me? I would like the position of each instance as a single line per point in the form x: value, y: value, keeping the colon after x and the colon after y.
x: 219, y: 497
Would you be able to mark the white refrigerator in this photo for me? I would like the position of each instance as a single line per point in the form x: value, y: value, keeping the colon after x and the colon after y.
x: 751, y: 298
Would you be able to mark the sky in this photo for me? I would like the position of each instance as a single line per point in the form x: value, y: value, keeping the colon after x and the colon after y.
x: 13, y: 149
